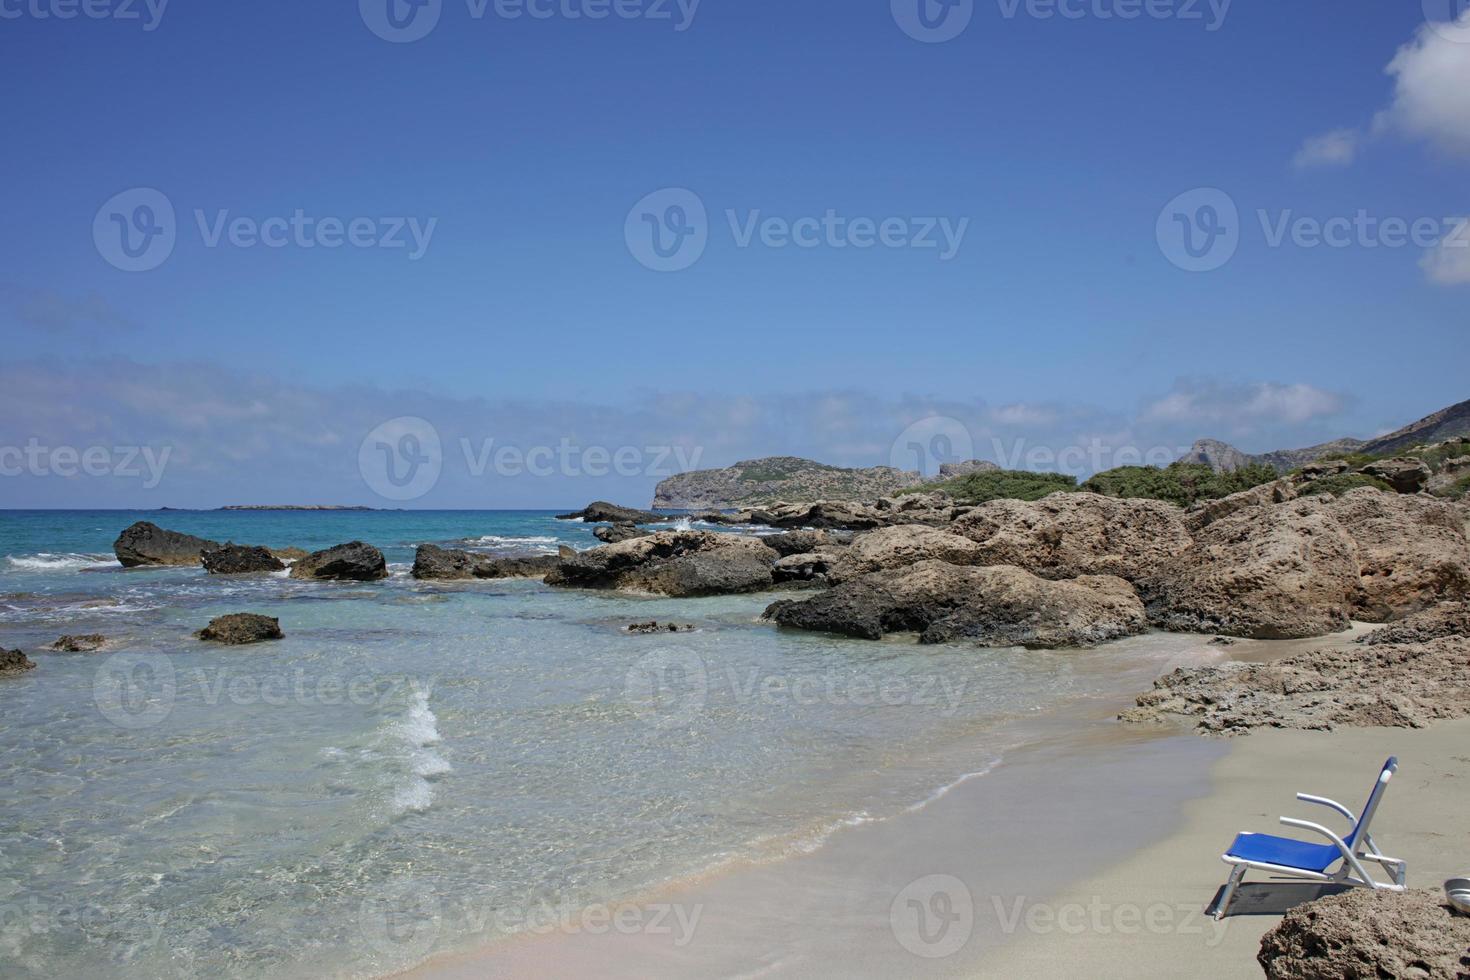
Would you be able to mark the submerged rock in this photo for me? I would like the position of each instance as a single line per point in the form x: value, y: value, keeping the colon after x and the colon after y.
x: 352, y: 562
x: 145, y: 543
x: 993, y: 606
x: 239, y: 629
x: 239, y: 559
x: 15, y: 662
x: 1390, y: 685
x: 675, y: 563
x: 1369, y: 934
x: 88, y: 643
x: 648, y: 629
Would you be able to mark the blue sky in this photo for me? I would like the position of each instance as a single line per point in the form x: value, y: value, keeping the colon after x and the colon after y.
x: 518, y: 147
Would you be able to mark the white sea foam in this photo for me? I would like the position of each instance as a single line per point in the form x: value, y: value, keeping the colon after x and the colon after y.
x: 47, y: 562
x: 417, y: 730
x: 948, y: 788
x: 500, y: 541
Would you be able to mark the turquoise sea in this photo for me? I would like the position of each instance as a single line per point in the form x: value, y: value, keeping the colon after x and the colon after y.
x: 420, y: 768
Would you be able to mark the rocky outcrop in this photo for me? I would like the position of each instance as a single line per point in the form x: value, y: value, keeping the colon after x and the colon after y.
x: 1391, y: 685
x: 1218, y: 456
x: 798, y: 542
x: 1412, y: 551
x: 145, y: 543
x: 1443, y: 425
x: 1445, y: 619
x: 649, y: 629
x: 613, y: 533
x: 813, y: 567
x: 289, y: 554
x: 433, y: 563
x: 1369, y: 934
x: 1404, y: 475
x: 995, y: 606
x: 895, y: 547
x: 1207, y: 512
x: 352, y: 562
x: 1275, y: 572
x: 953, y: 471
x: 239, y: 559
x: 602, y: 512
x: 239, y: 629
x: 1066, y: 535
x: 88, y: 643
x: 14, y: 662
x: 674, y: 563
x: 762, y: 482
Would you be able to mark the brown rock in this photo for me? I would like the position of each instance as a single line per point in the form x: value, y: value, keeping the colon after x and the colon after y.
x: 1445, y: 619
x: 908, y: 544
x: 238, y: 629
x: 675, y: 563
x: 1404, y: 475
x: 15, y: 662
x: 1365, y: 935
x: 89, y: 643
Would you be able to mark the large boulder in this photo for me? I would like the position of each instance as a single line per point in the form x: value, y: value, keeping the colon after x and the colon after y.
x: 993, y: 606
x: 239, y: 559
x: 1404, y: 475
x: 15, y: 662
x: 1066, y: 535
x: 1412, y: 551
x: 239, y: 629
x: 432, y: 562
x: 352, y: 562
x: 613, y: 533
x: 1207, y: 512
x: 1273, y: 572
x: 908, y: 544
x: 1364, y: 934
x: 145, y: 543
x: 1404, y: 685
x: 675, y: 563
x: 602, y: 512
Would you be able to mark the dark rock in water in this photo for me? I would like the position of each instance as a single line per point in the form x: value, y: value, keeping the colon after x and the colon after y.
x: 352, y: 562
x: 239, y: 559
x: 442, y: 564
x: 602, y: 512
x: 1366, y: 933
x: 618, y: 532
x: 812, y: 567
x: 289, y: 554
x: 1404, y: 475
x: 797, y: 542
x: 238, y: 629
x: 146, y: 543
x: 675, y: 563
x: 90, y: 643
x: 15, y: 662
x: 647, y: 629
x: 1223, y: 641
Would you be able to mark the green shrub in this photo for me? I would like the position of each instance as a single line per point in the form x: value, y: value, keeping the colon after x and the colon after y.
x: 977, y: 488
x: 1342, y: 483
x: 1179, y: 483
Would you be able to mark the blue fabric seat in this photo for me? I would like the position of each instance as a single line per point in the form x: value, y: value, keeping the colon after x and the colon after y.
x: 1266, y: 849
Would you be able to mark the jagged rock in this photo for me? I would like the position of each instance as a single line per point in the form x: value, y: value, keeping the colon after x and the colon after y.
x: 602, y: 512
x: 1445, y: 619
x: 1364, y: 934
x: 953, y: 471
x: 1272, y: 572
x: 1412, y: 551
x: 797, y: 542
x: 676, y: 563
x: 1391, y: 685
x: 434, y: 563
x: 88, y: 643
x: 15, y: 662
x: 811, y: 567
x: 145, y: 543
x: 352, y: 562
x: 894, y: 547
x: 1326, y: 467
x: 1207, y: 512
x: 612, y: 534
x: 995, y: 606
x: 239, y: 559
x: 238, y: 629
x: 1066, y: 535
x: 1404, y: 475
x: 1218, y: 456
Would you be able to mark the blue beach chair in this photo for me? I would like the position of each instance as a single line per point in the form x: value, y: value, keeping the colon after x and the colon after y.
x: 1302, y: 859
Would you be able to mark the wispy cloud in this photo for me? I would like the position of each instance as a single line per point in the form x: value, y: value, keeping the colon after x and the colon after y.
x: 1337, y: 148
x: 1243, y: 408
x: 44, y: 309
x: 1448, y: 263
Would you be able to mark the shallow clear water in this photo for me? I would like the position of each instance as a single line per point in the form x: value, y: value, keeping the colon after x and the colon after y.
x: 457, y: 754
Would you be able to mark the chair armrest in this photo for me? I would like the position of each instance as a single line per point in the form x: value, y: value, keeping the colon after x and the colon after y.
x: 1343, y: 849
x: 1324, y: 801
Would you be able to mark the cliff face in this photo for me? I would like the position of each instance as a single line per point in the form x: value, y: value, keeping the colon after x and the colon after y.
x: 762, y: 481
x: 1447, y: 423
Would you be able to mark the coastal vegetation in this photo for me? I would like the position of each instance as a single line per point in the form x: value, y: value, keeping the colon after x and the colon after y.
x: 987, y: 485
x: 1180, y: 483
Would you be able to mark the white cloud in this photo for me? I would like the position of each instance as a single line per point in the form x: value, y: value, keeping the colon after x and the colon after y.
x: 1337, y: 148
x: 1448, y: 263
x: 1243, y: 407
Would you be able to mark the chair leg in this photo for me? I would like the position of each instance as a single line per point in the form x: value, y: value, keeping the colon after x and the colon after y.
x: 1232, y: 883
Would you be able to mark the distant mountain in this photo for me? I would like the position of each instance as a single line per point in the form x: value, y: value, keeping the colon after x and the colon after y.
x: 763, y: 481
x: 1447, y: 423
